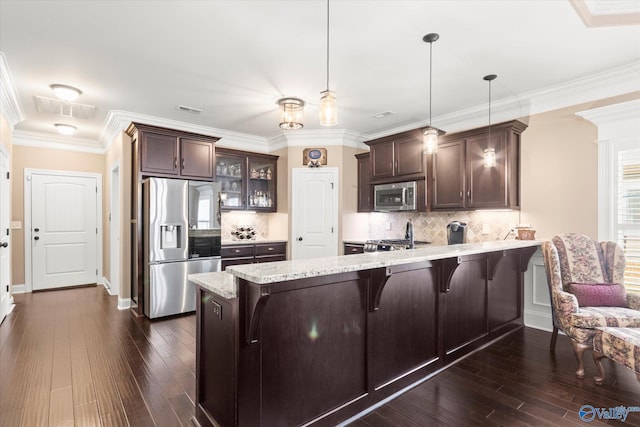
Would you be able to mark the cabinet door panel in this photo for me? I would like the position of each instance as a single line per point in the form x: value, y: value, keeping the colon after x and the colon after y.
x: 487, y: 185
x: 449, y: 176
x: 196, y: 158
x: 408, y: 157
x: 365, y: 191
x: 382, y: 160
x: 504, y: 290
x: 159, y: 153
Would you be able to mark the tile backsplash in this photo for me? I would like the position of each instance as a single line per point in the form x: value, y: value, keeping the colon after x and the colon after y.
x: 432, y: 226
x: 259, y: 221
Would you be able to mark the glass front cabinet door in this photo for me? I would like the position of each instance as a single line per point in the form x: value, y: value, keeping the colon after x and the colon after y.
x: 247, y: 180
x: 230, y: 173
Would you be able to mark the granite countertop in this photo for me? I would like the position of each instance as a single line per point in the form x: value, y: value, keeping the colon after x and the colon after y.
x: 281, y: 271
x: 220, y: 283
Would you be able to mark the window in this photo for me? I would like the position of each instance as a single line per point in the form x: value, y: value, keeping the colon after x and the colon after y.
x: 628, y: 213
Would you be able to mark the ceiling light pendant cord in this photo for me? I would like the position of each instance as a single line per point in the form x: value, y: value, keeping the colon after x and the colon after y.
x: 430, y: 80
x: 327, y: 44
x: 489, y: 112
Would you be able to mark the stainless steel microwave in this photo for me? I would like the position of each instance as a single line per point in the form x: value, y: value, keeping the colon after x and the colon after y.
x: 400, y: 196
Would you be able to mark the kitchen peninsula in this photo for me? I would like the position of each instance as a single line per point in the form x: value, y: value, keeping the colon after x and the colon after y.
x: 319, y: 341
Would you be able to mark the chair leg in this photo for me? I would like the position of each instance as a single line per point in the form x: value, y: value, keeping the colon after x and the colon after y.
x: 579, y: 349
x: 554, y: 338
x: 597, y: 358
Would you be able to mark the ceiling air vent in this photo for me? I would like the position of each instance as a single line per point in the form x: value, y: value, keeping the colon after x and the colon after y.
x: 64, y: 108
x: 186, y: 109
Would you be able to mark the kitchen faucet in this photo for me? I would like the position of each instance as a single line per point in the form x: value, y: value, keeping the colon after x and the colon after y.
x: 409, y: 235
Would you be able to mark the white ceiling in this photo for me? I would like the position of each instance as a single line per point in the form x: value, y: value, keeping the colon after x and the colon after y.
x: 234, y: 59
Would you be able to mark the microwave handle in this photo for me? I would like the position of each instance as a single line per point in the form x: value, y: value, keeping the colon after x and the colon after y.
x: 404, y: 196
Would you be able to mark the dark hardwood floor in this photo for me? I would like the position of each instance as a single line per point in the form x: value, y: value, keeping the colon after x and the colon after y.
x: 69, y: 357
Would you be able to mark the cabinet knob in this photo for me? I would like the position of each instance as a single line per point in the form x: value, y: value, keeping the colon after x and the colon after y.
x: 237, y: 250
x: 270, y: 249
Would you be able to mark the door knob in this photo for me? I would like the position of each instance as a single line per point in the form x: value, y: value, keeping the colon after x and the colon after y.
x: 4, y: 244
x: 36, y: 238
x: 299, y: 239
x: 36, y: 229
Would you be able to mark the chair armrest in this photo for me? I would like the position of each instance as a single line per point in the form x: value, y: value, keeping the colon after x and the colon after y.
x: 633, y: 299
x: 565, y: 304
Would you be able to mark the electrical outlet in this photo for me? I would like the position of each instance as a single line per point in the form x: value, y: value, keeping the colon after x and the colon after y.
x: 16, y: 225
x: 486, y: 229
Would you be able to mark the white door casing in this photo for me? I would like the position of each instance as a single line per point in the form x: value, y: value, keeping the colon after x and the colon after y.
x: 62, y: 230
x: 314, y: 210
x: 5, y: 234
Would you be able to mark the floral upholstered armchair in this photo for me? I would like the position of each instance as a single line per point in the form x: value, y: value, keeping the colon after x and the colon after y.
x: 586, y: 285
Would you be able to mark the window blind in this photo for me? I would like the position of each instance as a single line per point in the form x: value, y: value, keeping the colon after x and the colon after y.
x: 628, y: 208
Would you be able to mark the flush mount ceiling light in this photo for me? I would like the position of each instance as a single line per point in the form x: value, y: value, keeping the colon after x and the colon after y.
x: 66, y: 93
x: 328, y: 108
x: 292, y: 113
x: 65, y: 129
x: 489, y: 153
x: 430, y: 134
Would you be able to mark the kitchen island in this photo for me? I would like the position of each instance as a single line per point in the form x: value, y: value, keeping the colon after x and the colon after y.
x: 319, y: 341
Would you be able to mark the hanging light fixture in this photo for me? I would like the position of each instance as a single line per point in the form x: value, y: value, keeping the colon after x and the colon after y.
x: 489, y: 153
x: 328, y: 108
x: 292, y: 113
x: 430, y: 134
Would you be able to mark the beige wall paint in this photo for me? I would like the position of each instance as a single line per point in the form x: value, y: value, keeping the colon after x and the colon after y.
x: 559, y: 158
x: 40, y: 158
x: 119, y: 152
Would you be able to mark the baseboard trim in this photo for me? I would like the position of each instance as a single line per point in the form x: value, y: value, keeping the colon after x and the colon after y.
x: 19, y: 289
x: 536, y: 320
x: 124, y: 303
x: 107, y: 285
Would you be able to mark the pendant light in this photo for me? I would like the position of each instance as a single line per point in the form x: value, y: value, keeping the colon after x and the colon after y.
x: 489, y: 153
x: 430, y: 134
x: 328, y: 109
x: 292, y: 113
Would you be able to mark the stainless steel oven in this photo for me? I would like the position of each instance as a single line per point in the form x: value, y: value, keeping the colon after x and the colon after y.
x: 400, y: 196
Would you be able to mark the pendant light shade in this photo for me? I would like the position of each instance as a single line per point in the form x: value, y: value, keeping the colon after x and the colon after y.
x: 430, y: 134
x: 328, y: 108
x: 292, y: 113
x: 489, y: 152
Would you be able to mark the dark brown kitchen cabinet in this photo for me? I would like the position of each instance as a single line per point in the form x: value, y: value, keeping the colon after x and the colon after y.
x: 167, y: 152
x: 248, y: 181
x: 449, y: 185
x: 365, y: 189
x: 397, y: 157
x: 249, y: 253
x: 460, y: 178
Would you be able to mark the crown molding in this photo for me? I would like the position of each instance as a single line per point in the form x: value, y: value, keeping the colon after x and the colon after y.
x: 607, y: 13
x: 617, y: 121
x: 117, y: 121
x: 325, y: 137
x: 606, y: 84
x: 10, y: 105
x: 42, y: 140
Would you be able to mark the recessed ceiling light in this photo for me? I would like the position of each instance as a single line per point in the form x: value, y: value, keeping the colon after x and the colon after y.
x: 383, y: 114
x: 66, y: 93
x: 65, y: 129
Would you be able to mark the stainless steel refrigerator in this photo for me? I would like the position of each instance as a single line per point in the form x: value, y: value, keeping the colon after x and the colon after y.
x: 181, y: 235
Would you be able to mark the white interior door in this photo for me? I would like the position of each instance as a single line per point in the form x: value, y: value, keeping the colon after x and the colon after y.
x: 5, y: 238
x: 314, y: 210
x: 63, y: 230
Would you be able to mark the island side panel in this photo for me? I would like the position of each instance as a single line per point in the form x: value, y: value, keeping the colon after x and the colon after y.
x: 504, y: 290
x: 313, y: 343
x: 405, y: 327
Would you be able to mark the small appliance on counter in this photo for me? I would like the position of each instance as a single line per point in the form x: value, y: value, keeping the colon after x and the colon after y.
x: 456, y: 232
x: 525, y: 232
